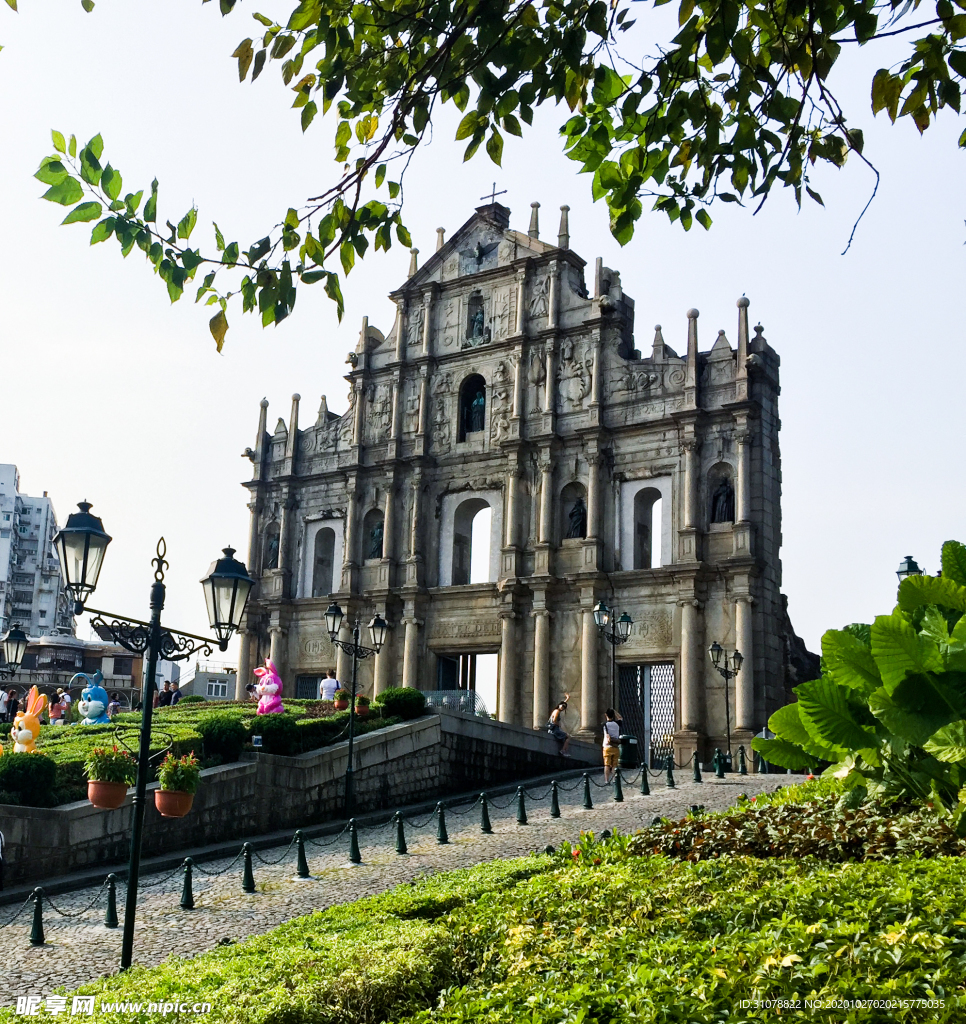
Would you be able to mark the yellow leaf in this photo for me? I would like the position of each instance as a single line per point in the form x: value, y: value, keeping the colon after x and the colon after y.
x: 792, y: 958
x: 218, y: 325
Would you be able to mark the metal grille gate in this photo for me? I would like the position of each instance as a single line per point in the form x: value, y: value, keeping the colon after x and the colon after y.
x: 647, y: 707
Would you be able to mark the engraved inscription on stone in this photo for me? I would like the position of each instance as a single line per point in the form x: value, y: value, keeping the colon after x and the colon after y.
x: 467, y: 629
x: 317, y: 647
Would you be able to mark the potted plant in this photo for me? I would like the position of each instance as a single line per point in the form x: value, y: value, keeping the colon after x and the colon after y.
x: 109, y: 773
x: 341, y: 700
x: 179, y: 779
x: 362, y: 706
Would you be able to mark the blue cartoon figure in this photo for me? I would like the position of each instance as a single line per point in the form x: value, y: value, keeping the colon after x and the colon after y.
x: 94, y: 700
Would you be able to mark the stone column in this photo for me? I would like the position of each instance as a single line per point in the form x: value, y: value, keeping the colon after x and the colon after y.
x: 521, y: 301
x: 410, y: 653
x: 745, y: 680
x: 553, y: 304
x: 510, y: 531
x: 588, y: 673
x: 357, y: 418
x: 389, y: 523
x: 382, y: 674
x: 690, y: 447
x: 517, y: 386
x: 400, y: 331
x: 546, y: 502
x: 349, y: 542
x: 285, y: 545
x: 427, y: 322
x: 541, y: 668
x: 277, y: 649
x: 742, y: 495
x: 343, y: 660
x: 254, y: 555
x: 690, y: 665
x: 593, y: 496
x: 423, y: 403
x: 244, y: 676
x: 550, y: 384
x: 506, y: 702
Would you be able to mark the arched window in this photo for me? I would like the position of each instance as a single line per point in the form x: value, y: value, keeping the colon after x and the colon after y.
x: 471, y: 542
x: 271, y: 547
x: 324, y: 561
x: 573, y: 511
x: 472, y: 406
x: 721, y: 494
x: 647, y: 528
x: 372, y: 534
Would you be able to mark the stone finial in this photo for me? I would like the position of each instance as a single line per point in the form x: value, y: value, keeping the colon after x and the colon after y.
x: 534, y: 231
x: 413, y: 262
x: 263, y: 403
x: 657, y: 353
x: 293, y: 427
x: 693, y: 314
x: 742, y: 336
x: 563, y: 232
x: 440, y: 238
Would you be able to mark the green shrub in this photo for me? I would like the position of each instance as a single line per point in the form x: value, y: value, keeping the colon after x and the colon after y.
x: 30, y: 778
x: 111, y: 765
x: 402, y: 701
x: 191, y: 698
x: 279, y: 733
x: 222, y: 735
x: 180, y: 774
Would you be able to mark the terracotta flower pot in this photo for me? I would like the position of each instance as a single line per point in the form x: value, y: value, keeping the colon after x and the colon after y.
x: 341, y: 705
x: 362, y: 710
x: 106, y: 795
x: 172, y: 803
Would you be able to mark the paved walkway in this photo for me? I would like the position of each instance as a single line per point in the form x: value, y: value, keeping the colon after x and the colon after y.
x: 80, y: 948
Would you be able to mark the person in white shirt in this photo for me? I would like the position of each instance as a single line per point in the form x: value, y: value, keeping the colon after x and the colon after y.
x: 329, y: 685
x: 612, y: 747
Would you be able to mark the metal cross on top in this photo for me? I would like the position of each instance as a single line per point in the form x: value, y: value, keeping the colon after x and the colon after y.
x: 492, y: 196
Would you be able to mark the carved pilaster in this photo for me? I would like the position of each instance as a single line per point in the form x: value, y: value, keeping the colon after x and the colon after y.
x: 745, y: 680
x: 541, y: 667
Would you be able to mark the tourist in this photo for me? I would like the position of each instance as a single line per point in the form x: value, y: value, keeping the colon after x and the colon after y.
x: 556, y: 729
x: 176, y: 693
x: 4, y: 704
x: 329, y: 685
x: 56, y: 709
x: 114, y: 706
x: 250, y: 690
x: 13, y: 704
x: 65, y: 699
x: 612, y: 746
x: 164, y: 697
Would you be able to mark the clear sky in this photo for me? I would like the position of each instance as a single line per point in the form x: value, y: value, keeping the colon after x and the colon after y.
x: 109, y: 393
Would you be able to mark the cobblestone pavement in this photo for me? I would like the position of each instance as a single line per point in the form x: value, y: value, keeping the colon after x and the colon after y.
x: 81, y: 948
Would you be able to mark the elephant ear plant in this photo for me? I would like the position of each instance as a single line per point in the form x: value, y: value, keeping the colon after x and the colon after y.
x: 889, y: 710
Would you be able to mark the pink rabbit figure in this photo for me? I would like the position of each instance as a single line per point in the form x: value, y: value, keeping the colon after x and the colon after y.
x: 269, y: 689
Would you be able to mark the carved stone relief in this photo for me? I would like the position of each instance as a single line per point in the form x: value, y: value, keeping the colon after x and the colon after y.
x: 633, y: 381
x: 540, y: 296
x: 500, y: 403
x: 412, y: 408
x: 451, y: 321
x: 414, y: 327
x: 507, y: 253
x: 379, y: 421
x: 574, y: 375
x: 654, y: 629
x: 500, y: 320
x: 442, y: 433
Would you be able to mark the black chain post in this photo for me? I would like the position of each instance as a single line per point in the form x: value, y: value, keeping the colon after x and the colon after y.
x: 521, y: 806
x: 37, y: 930
x: 669, y: 781
x: 485, y: 825
x: 303, y: 864
x: 645, y: 783
x: 355, y: 857
x: 588, y: 802
x: 696, y: 777
x: 554, y: 800
x: 442, y: 837
x: 110, y: 915
x: 618, y: 788
x: 742, y: 763
x: 187, y: 894
x: 718, y: 763
x: 400, y: 834
x: 248, y: 876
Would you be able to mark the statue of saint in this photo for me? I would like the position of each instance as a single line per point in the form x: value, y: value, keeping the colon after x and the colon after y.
x: 477, y: 411
x: 478, y: 322
x: 723, y: 502
x: 271, y: 554
x: 375, y: 541
x: 578, y: 519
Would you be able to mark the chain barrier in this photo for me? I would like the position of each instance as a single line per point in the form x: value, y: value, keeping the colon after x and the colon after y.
x: 331, y: 842
x: 469, y: 810
x: 215, y: 874
x: 158, y: 881
x: 429, y: 820
x: 272, y: 863
x: 501, y: 807
x: 80, y: 913
x: 23, y: 907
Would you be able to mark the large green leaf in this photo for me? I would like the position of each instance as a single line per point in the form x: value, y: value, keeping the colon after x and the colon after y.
x: 899, y: 650
x: 911, y: 726
x: 954, y: 562
x: 826, y: 715
x: 849, y: 662
x: 916, y: 591
x: 786, y: 723
x: 949, y: 742
x: 921, y: 704
x: 783, y: 753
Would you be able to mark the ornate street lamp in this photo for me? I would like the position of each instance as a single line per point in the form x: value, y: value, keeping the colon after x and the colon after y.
x: 80, y: 546
x: 908, y: 567
x: 14, y: 647
x: 378, y: 627
x: 727, y: 668
x: 619, y: 633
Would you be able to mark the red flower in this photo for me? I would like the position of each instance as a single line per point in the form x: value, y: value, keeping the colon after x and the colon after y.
x: 575, y: 854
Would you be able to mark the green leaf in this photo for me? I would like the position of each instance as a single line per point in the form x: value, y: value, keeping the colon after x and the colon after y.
x: 782, y: 753
x: 219, y: 238
x: 102, y: 231
x: 90, y: 166
x: 88, y: 5
x: 68, y: 192
x: 916, y: 591
x: 59, y: 142
x: 826, y: 715
x: 703, y: 218
x: 72, y: 146
x: 899, y: 650
x: 787, y: 724
x: 920, y: 705
x: 494, y: 147
x: 111, y: 182
x: 949, y: 742
x: 187, y: 223
x: 218, y: 325
x: 467, y: 126
x: 380, y: 174
x: 334, y: 292
x: 347, y: 255
x: 244, y: 52
x: 954, y: 559
x: 96, y: 146
x: 151, y: 206
x: 84, y: 212
x: 308, y: 114
x: 849, y: 662
x: 51, y: 171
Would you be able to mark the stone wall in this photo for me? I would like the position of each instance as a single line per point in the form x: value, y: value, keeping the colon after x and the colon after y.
x: 404, y: 764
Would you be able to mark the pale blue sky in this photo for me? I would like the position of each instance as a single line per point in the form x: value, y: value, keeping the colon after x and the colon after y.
x: 111, y: 394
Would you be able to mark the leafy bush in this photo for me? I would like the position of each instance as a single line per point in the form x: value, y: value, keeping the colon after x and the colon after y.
x: 279, y: 733
x: 191, y: 698
x: 890, y: 708
x: 29, y: 778
x: 362, y: 701
x: 402, y: 701
x: 114, y: 765
x: 341, y: 695
x: 180, y: 773
x: 222, y: 735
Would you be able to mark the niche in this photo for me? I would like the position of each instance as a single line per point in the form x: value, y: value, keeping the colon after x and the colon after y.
x: 270, y: 550
x: 721, y: 494
x: 372, y: 534
x: 472, y: 406
x: 647, y: 528
x: 324, y: 560
x: 471, y: 542
x: 573, y: 511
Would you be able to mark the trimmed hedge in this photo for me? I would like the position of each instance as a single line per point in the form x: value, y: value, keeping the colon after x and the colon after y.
x: 28, y: 779
x: 403, y: 701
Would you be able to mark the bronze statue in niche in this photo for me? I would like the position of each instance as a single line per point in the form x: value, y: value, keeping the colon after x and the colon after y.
x: 723, y: 502
x: 578, y: 519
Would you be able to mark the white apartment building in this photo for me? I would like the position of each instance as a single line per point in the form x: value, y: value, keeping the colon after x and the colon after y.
x: 31, y: 588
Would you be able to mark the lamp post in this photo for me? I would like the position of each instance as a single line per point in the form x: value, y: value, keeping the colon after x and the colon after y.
x: 14, y: 643
x: 727, y: 668
x: 80, y: 546
x: 908, y: 567
x: 619, y: 633
x: 378, y: 628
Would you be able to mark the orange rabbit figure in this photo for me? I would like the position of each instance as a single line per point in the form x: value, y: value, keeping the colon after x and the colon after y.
x: 26, y: 725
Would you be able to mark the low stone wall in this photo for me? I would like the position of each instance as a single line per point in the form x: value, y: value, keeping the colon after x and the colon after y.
x: 431, y: 756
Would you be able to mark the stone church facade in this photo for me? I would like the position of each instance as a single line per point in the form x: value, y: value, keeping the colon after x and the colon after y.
x: 651, y: 481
